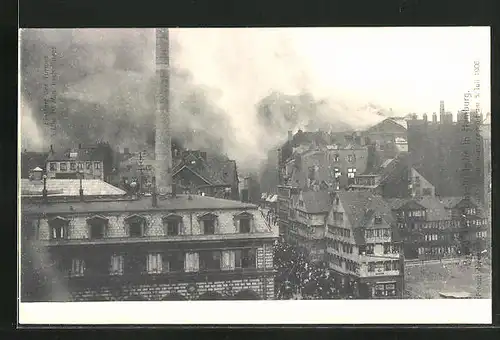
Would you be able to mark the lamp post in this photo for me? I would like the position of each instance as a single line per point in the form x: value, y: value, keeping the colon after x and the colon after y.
x: 44, y: 191
x: 80, y: 175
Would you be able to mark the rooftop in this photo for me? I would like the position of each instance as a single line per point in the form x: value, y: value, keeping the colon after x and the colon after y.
x: 72, y: 154
x: 69, y: 187
x: 213, y: 170
x: 316, y: 202
x: 181, y: 202
x: 358, y: 203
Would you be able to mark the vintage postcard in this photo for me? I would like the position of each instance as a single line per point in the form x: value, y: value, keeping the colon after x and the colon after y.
x: 332, y: 175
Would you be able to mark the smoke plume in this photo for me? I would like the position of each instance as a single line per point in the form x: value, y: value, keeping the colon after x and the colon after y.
x: 102, y: 86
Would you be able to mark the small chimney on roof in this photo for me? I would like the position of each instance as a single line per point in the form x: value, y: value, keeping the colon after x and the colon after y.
x: 51, y: 148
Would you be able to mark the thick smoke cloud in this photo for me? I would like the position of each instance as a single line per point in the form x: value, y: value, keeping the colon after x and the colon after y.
x: 104, y: 88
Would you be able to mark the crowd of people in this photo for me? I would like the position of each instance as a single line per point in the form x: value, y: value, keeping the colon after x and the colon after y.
x: 298, y: 279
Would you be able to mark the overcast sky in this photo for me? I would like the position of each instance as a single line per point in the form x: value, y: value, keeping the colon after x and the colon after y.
x: 407, y: 69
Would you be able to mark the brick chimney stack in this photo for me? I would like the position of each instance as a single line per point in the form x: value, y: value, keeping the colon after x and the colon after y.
x: 163, y: 148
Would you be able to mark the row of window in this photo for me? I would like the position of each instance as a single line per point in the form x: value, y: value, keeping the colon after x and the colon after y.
x: 385, y: 289
x: 158, y: 263
x: 443, y: 224
x: 340, y: 261
x: 136, y: 227
x: 437, y: 250
x: 63, y: 166
x: 370, y: 233
x: 338, y: 216
x: 340, y: 246
x: 343, y: 232
x: 381, y: 266
x: 389, y: 248
x: 336, y: 158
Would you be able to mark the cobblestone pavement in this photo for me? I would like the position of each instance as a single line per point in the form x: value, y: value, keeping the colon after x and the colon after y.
x: 427, y: 280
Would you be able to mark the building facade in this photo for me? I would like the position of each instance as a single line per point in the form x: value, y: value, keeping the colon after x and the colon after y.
x: 286, y: 196
x: 306, y: 224
x: 363, y: 247
x: 389, y: 180
x: 74, y: 163
x: 434, y: 228
x: 183, y: 247
x: 197, y: 172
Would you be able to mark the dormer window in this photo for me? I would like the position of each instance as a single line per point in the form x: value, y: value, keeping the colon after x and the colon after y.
x: 136, y: 225
x: 378, y: 220
x: 72, y: 166
x: 58, y: 228
x: 98, y: 225
x: 53, y: 166
x: 97, y: 165
x: 243, y: 222
x: 88, y: 165
x: 172, y: 224
x: 64, y: 167
x: 208, y: 224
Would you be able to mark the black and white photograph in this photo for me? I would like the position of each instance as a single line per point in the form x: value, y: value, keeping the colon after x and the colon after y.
x: 345, y: 166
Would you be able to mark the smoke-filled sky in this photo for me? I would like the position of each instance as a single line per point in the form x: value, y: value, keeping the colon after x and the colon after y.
x: 340, y: 76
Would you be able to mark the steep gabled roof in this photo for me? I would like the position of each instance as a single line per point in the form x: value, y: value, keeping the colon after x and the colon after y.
x: 436, y: 210
x: 357, y: 204
x: 316, y: 202
x: 213, y: 170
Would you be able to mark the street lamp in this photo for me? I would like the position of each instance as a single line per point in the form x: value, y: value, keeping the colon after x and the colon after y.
x: 80, y: 175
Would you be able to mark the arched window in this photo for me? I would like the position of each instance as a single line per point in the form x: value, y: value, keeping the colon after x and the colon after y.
x: 59, y: 228
x: 97, y: 227
x: 136, y: 225
x: 243, y: 222
x: 208, y: 223
x: 172, y: 224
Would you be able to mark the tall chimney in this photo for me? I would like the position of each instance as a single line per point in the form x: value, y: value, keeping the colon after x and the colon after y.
x: 163, y: 148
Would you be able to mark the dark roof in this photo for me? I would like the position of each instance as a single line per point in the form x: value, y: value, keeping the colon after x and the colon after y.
x: 436, y: 210
x: 451, y: 202
x: 181, y: 202
x: 357, y: 204
x: 316, y: 202
x: 214, y: 170
x: 360, y: 208
x: 88, y: 154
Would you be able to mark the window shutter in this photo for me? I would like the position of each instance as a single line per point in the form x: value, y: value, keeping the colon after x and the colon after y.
x: 228, y: 260
x: 54, y: 233
x: 191, y: 262
x: 232, y: 260
x: 150, y: 263
x: 196, y: 262
x: 159, y: 263
x: 225, y: 260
